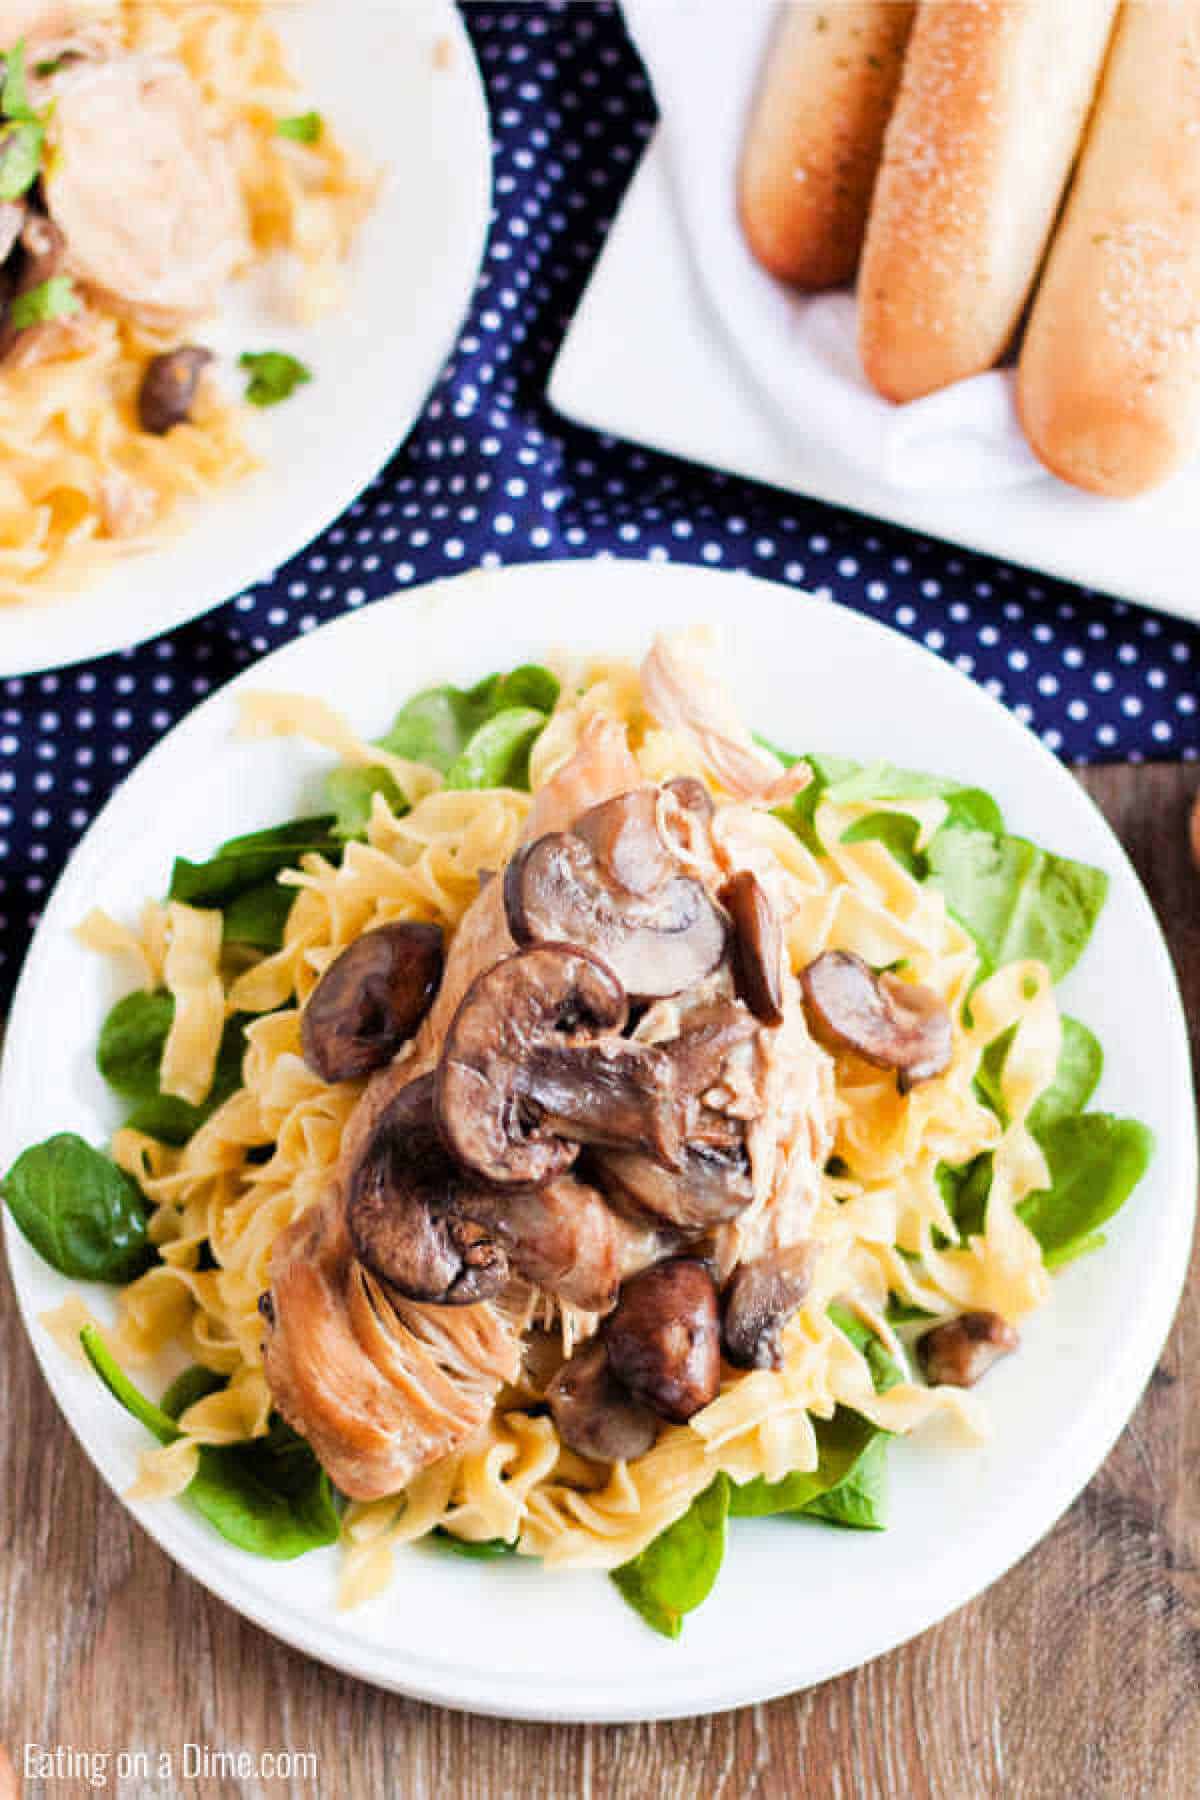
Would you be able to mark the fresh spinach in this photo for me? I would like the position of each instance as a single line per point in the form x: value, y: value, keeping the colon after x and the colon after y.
x: 1080, y: 1066
x: 351, y: 792
x: 844, y: 782
x: 194, y: 1383
x: 860, y: 1501
x: 81, y: 1213
x: 268, y: 1495
x: 258, y: 917
x: 129, y: 1054
x: 1018, y: 902
x: 474, y: 737
x: 1095, y: 1162
x: 250, y: 860
x: 675, y: 1573
x: 489, y: 1550
x: 302, y: 128
x: 842, y: 1442
x: 274, y: 375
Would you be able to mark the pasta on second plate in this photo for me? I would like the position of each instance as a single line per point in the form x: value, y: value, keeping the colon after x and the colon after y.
x: 161, y: 154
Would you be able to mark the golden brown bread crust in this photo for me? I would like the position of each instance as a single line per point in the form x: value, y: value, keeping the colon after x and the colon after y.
x: 1108, y: 386
x: 813, y: 144
x: 990, y: 111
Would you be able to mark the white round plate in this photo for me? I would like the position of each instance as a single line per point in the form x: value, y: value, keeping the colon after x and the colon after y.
x: 796, y: 1602
x: 403, y: 88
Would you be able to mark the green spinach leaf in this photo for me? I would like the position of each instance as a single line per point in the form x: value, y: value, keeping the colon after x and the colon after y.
x: 129, y: 1055
x: 1016, y: 900
x: 474, y: 737
x: 81, y: 1213
x: 674, y: 1574
x: 258, y: 916
x: 302, y: 128
x: 192, y: 1384
x: 350, y: 792
x: 269, y: 1495
x: 1095, y: 1162
x: 842, y: 1442
x: 859, y: 1501
x: 250, y: 860
x: 488, y: 1551
x: 274, y: 375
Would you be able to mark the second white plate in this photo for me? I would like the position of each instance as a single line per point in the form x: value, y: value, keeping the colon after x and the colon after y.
x: 403, y: 88
x: 646, y: 360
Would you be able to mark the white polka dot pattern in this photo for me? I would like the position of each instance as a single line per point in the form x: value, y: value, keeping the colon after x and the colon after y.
x: 491, y: 475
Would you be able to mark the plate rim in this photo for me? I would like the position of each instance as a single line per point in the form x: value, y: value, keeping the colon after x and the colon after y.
x: 584, y: 1699
x: 73, y: 641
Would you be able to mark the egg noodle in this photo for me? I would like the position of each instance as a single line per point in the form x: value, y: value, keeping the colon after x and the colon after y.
x: 80, y: 483
x: 266, y: 1155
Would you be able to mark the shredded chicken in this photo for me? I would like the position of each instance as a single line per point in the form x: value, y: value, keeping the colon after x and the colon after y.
x: 683, y: 692
x: 147, y: 199
x: 382, y: 1389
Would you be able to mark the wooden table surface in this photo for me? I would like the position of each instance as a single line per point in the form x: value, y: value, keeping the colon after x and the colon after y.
x: 1077, y: 1675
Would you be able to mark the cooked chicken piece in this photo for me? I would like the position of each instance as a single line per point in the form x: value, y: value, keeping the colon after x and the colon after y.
x: 379, y: 1386
x: 683, y: 692
x: 147, y: 199
x: 383, y: 1386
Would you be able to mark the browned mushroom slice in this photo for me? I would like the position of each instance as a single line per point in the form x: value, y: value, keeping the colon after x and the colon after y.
x: 564, y: 1237
x: 663, y: 1338
x: 371, y: 999
x: 531, y: 1069
x: 400, y: 1216
x: 960, y: 1352
x: 713, y: 1186
x: 623, y: 836
x: 168, y: 389
x: 594, y: 1414
x: 707, y: 1037
x: 41, y: 250
x: 760, y: 1299
x: 890, y: 1023
x: 757, y: 946
x: 555, y: 891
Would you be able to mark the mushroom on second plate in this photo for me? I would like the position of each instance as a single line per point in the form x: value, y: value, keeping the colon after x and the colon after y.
x: 532, y: 1068
x: 612, y: 887
x: 400, y: 1215
x: 890, y: 1023
x: 663, y: 1338
x: 38, y: 253
x: 168, y: 389
x: 759, y: 1300
x: 757, y: 946
x: 594, y: 1414
x: 371, y: 999
x: 960, y: 1352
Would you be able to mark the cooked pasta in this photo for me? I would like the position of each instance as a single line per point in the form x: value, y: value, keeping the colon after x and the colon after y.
x: 878, y: 1214
x: 81, y: 482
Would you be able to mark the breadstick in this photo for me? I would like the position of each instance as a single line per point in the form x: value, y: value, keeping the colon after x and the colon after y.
x: 813, y: 145
x: 989, y: 115
x: 1109, y: 381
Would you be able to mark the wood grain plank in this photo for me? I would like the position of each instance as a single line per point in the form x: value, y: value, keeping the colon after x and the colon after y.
x: 1076, y: 1675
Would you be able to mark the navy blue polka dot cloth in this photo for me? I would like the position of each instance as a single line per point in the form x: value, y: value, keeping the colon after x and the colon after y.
x: 491, y: 475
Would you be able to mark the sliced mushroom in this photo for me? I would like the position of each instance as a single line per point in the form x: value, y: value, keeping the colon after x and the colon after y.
x: 658, y: 943
x: 890, y: 1023
x: 757, y: 946
x: 168, y: 388
x: 42, y: 249
x: 531, y: 1069
x: 564, y: 1237
x: 713, y: 1186
x: 708, y: 1035
x: 960, y: 1352
x: 594, y: 1414
x: 371, y: 999
x: 623, y: 837
x: 760, y: 1299
x: 664, y: 1338
x: 400, y: 1212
